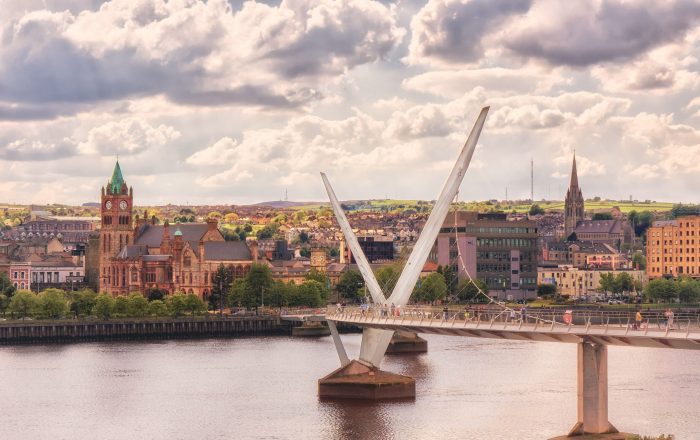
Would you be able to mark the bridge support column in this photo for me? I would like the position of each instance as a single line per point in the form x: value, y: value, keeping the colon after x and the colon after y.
x: 311, y: 329
x: 592, y: 390
x: 407, y: 342
x: 357, y: 380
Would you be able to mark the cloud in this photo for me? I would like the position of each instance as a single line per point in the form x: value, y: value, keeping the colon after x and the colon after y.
x: 127, y: 136
x: 586, y: 33
x: 36, y: 150
x: 584, y: 165
x: 195, y: 52
x: 497, y: 80
x: 451, y: 31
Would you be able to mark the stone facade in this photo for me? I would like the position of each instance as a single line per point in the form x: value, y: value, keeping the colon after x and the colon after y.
x: 139, y: 255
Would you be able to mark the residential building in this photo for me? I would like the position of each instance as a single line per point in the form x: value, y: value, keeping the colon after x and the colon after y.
x: 673, y: 248
x: 377, y: 249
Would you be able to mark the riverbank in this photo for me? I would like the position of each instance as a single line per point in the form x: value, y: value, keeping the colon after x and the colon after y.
x: 64, y: 331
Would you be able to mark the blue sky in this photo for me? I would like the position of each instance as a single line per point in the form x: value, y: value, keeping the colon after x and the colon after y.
x: 234, y: 102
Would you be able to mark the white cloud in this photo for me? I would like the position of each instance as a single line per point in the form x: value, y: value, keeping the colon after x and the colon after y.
x: 126, y: 136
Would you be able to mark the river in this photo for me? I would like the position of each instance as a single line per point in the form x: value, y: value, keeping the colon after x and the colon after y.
x: 265, y: 388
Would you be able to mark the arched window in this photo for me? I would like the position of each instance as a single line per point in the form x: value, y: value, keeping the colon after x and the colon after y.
x: 187, y: 260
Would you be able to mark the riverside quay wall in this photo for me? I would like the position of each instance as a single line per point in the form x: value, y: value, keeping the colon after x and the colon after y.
x: 23, y: 332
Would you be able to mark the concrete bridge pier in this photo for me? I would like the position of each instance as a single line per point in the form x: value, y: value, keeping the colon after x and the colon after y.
x: 592, y: 390
x: 406, y: 342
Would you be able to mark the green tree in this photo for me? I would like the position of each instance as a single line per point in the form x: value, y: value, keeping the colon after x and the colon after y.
x: 194, y: 304
x: 241, y: 295
x: 155, y: 294
x: 157, y: 308
x: 82, y: 301
x: 221, y: 282
x: 278, y: 295
x: 317, y: 275
x: 602, y: 216
x: 121, y: 306
x: 350, y: 285
x: 24, y: 303
x: 535, y: 209
x: 639, y: 260
x: 387, y: 277
x: 660, y: 290
x: 4, y: 303
x: 6, y: 286
x: 623, y: 283
x: 688, y: 290
x: 53, y: 303
x: 177, y: 304
x: 104, y: 306
x: 259, y: 281
x: 138, y: 305
x: 304, y: 237
x: 607, y: 282
x: 309, y: 293
x: 469, y: 292
x: 432, y: 288
x: 546, y: 290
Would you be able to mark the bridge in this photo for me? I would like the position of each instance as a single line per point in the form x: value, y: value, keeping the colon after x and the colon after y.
x: 362, y: 378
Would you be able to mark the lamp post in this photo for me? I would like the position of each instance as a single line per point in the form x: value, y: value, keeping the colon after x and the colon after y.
x: 221, y: 297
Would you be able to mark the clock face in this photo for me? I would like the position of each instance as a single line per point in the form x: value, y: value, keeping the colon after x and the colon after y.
x: 122, y: 205
x: 108, y: 205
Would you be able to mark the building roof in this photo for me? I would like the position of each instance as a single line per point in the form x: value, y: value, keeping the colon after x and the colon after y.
x: 152, y: 236
x: 598, y: 226
x: 663, y: 223
x: 132, y: 252
x: 227, y: 251
x: 115, y: 184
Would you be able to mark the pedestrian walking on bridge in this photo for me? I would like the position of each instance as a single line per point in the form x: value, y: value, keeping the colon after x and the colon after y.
x: 638, y: 320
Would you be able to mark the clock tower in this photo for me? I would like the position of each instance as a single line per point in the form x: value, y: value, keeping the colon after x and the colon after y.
x: 116, y: 210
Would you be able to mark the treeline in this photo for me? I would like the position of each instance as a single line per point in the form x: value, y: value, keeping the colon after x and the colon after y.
x: 684, y: 290
x: 57, y: 304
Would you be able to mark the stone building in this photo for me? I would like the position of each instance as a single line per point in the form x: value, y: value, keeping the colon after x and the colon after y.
x: 137, y: 254
x: 573, y: 204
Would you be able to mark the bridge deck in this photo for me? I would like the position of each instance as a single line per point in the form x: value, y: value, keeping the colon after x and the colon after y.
x: 682, y: 334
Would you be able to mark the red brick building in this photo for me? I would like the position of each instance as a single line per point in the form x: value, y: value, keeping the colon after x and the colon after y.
x: 136, y: 254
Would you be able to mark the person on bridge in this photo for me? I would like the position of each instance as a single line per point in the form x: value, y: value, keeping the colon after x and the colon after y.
x: 445, y: 312
x: 669, y: 318
x: 638, y: 320
x: 393, y: 309
x: 512, y: 314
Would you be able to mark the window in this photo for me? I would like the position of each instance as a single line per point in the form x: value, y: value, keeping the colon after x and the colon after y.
x: 187, y: 261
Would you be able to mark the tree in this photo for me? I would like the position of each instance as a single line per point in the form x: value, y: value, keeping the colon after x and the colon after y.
x: 304, y: 237
x: 535, y: 209
x: 660, y: 290
x: 572, y: 237
x: 688, y: 290
x: 82, y: 302
x: 602, y: 216
x: 387, y: 277
x: 157, y: 308
x: 221, y: 282
x: 154, y: 294
x: 104, y: 306
x: 468, y: 291
x: 259, y: 280
x: 349, y: 285
x: 309, y: 293
x: 138, y: 305
x: 4, y: 303
x: 607, y: 282
x: 623, y: 283
x: 194, y: 304
x: 241, y: 295
x: 23, y: 303
x: 546, y: 290
x: 432, y: 288
x: 177, y: 304
x: 316, y: 275
x: 305, y: 252
x: 278, y: 294
x: 53, y: 303
x: 6, y: 286
x: 121, y: 306
x: 450, y: 277
x: 639, y: 260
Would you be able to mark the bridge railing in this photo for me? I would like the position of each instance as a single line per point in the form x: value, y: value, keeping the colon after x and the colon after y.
x: 684, y: 322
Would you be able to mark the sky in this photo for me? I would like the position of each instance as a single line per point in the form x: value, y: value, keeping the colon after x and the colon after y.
x: 232, y: 102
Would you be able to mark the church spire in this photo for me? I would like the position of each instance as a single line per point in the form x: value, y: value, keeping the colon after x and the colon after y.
x: 115, y: 184
x: 574, y: 175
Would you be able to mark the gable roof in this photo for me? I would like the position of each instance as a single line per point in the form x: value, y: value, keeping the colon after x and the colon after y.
x: 599, y: 226
x: 227, y: 251
x: 152, y: 236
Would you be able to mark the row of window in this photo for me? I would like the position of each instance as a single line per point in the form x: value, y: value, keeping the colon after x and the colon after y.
x: 506, y: 242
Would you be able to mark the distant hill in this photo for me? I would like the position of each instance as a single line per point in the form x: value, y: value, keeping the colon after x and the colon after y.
x: 91, y: 204
x: 284, y: 204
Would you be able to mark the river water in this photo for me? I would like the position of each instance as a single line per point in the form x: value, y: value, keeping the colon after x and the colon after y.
x: 265, y: 388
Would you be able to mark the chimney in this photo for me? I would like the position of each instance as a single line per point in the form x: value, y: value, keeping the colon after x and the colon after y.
x: 342, y: 251
x: 212, y: 224
x: 201, y: 250
x: 165, y: 242
x: 254, y: 250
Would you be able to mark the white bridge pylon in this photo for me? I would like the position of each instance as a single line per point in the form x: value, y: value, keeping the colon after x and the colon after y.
x: 375, y: 341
